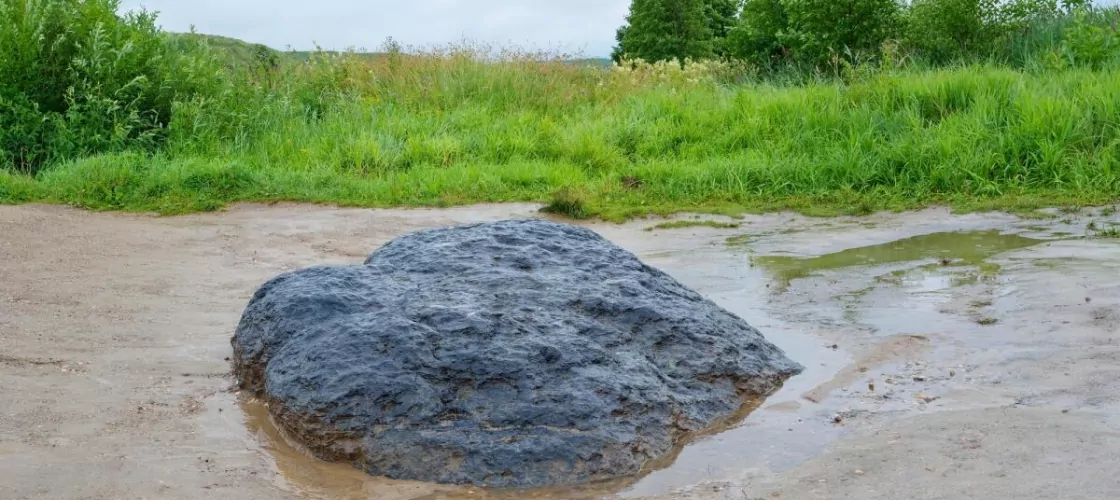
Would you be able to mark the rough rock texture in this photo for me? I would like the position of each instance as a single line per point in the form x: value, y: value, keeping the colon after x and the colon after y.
x: 512, y: 354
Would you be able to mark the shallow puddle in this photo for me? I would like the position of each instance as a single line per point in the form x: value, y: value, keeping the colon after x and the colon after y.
x: 312, y: 477
x: 965, y: 248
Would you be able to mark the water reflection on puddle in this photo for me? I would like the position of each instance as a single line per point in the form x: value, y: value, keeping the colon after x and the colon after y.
x: 964, y: 248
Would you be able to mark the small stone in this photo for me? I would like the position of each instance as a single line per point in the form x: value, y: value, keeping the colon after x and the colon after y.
x: 925, y: 399
x: 919, y: 378
x: 859, y: 472
x: 1065, y: 410
x: 952, y: 373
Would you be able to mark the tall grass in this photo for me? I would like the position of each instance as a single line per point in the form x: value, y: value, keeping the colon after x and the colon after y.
x: 459, y: 126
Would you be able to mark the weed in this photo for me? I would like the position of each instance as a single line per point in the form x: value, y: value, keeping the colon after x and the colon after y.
x: 1110, y: 233
x: 740, y: 240
x: 679, y: 224
x: 567, y: 202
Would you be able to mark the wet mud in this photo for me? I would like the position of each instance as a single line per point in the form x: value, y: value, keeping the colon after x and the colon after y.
x: 976, y: 355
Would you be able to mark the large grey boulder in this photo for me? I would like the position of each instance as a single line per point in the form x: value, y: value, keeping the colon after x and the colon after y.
x: 511, y: 354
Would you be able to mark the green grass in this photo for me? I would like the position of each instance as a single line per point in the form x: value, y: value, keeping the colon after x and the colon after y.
x: 449, y: 129
x: 1106, y: 233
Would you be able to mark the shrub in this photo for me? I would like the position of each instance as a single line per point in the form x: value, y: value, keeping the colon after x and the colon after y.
x: 756, y: 37
x: 567, y: 202
x: 1092, y: 40
x: 820, y: 30
x: 814, y: 33
x: 77, y: 79
x: 943, y: 30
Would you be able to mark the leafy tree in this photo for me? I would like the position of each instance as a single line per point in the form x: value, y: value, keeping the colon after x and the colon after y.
x: 941, y: 30
x: 818, y: 29
x: 722, y: 16
x: 945, y: 30
x: 756, y: 35
x: 659, y: 30
x: 812, y: 31
x: 619, y: 34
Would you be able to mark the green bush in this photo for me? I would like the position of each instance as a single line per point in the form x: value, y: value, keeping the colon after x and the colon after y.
x: 756, y: 37
x: 944, y: 30
x: 1092, y: 39
x: 813, y: 33
x: 821, y: 30
x: 77, y: 79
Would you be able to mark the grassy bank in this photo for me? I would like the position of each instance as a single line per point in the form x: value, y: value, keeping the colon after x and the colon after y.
x: 453, y: 127
x: 972, y: 136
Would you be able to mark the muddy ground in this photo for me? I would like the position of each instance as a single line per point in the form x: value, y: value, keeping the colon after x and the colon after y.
x: 949, y: 357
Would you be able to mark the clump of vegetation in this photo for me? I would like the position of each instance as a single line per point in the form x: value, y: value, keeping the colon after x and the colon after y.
x: 77, y: 79
x: 567, y: 202
x: 1107, y: 233
x: 681, y: 224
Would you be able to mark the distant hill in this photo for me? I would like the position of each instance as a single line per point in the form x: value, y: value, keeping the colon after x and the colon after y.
x: 594, y: 61
x: 238, y: 51
x: 241, y: 52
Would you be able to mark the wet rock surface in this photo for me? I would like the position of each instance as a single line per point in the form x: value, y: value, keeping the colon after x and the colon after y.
x: 512, y: 354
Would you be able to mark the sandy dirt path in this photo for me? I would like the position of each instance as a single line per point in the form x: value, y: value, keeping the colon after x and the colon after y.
x: 1003, y: 383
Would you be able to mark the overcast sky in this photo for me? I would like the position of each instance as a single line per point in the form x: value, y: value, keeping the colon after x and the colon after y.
x: 586, y: 26
x: 574, y: 26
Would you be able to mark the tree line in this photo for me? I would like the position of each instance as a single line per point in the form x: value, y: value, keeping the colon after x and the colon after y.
x: 812, y: 33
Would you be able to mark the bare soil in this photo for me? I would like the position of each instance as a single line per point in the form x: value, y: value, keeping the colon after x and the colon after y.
x: 990, y: 370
